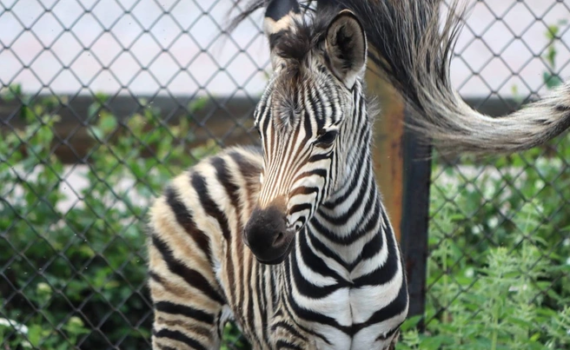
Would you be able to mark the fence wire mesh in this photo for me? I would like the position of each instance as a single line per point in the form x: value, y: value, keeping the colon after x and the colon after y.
x: 499, y: 239
x: 102, y: 101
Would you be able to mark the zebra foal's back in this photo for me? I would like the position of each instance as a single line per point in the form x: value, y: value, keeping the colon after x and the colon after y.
x: 197, y: 260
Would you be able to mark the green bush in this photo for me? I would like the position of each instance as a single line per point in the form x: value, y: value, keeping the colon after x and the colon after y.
x: 76, y: 277
x: 499, y: 240
x: 499, y: 264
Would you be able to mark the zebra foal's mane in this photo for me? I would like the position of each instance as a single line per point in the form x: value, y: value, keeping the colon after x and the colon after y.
x: 295, y: 45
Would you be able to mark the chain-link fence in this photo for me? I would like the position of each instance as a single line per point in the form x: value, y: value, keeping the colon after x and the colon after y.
x: 103, y: 101
x: 499, y: 237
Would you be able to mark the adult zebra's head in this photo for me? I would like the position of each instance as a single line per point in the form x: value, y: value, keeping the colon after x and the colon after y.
x: 302, y: 120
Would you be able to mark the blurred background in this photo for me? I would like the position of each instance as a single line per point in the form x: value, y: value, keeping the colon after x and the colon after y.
x: 101, y: 102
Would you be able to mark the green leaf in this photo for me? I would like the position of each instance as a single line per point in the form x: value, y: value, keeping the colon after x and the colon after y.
x: 197, y: 105
x: 411, y: 322
x: 92, y: 110
x: 101, y: 98
x: 551, y: 81
x: 107, y: 123
x: 552, y: 32
x: 35, y: 334
x: 97, y: 133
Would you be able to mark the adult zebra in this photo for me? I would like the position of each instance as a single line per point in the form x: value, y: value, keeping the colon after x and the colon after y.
x: 293, y: 242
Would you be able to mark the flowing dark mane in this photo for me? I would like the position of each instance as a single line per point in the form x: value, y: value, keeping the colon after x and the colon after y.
x: 294, y: 46
x: 403, y: 37
x: 306, y: 35
x: 411, y: 44
x: 251, y: 7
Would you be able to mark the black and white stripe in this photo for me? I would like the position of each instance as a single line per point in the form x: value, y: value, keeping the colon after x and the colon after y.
x: 341, y: 287
x: 292, y: 241
x: 340, y: 284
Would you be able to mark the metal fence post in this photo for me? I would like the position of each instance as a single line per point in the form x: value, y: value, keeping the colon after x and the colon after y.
x: 415, y: 217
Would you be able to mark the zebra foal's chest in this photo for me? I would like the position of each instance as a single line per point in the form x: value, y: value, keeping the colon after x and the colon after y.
x: 353, y: 310
x: 350, y: 296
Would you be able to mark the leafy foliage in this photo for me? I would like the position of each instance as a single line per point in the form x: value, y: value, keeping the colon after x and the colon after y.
x: 73, y: 276
x: 499, y: 241
x: 72, y: 268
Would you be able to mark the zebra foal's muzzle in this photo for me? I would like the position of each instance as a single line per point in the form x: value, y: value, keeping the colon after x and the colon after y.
x: 266, y: 233
x: 267, y: 236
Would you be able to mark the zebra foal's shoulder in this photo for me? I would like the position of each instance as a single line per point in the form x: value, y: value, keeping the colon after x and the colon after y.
x: 213, y: 188
x: 189, y: 227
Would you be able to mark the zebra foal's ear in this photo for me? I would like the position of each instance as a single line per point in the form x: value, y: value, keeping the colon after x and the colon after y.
x: 346, y: 47
x: 279, y: 19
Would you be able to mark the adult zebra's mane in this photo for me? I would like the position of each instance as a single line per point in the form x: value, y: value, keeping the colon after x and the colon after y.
x: 401, y: 35
x: 412, y: 45
x: 405, y: 39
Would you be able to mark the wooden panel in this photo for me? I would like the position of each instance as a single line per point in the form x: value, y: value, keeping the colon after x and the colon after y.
x: 231, y: 120
x: 388, y: 150
x: 403, y: 173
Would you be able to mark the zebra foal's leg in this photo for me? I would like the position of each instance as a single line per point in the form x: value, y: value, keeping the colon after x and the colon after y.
x: 186, y: 296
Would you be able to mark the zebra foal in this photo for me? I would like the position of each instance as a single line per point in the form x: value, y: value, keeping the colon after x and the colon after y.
x: 292, y: 241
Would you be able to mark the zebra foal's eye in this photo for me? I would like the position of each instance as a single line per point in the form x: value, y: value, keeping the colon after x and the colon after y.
x: 326, y: 138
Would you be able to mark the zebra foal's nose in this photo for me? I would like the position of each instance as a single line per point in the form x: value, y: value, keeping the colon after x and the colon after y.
x: 267, y: 236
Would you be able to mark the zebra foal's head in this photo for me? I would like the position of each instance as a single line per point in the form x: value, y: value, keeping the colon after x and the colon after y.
x: 301, y: 119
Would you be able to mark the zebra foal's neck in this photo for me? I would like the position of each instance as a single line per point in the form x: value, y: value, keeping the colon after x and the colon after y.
x: 348, y: 226
x: 345, y: 275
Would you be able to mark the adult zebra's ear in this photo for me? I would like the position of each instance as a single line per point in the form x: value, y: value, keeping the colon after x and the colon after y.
x: 280, y: 17
x: 346, y: 47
